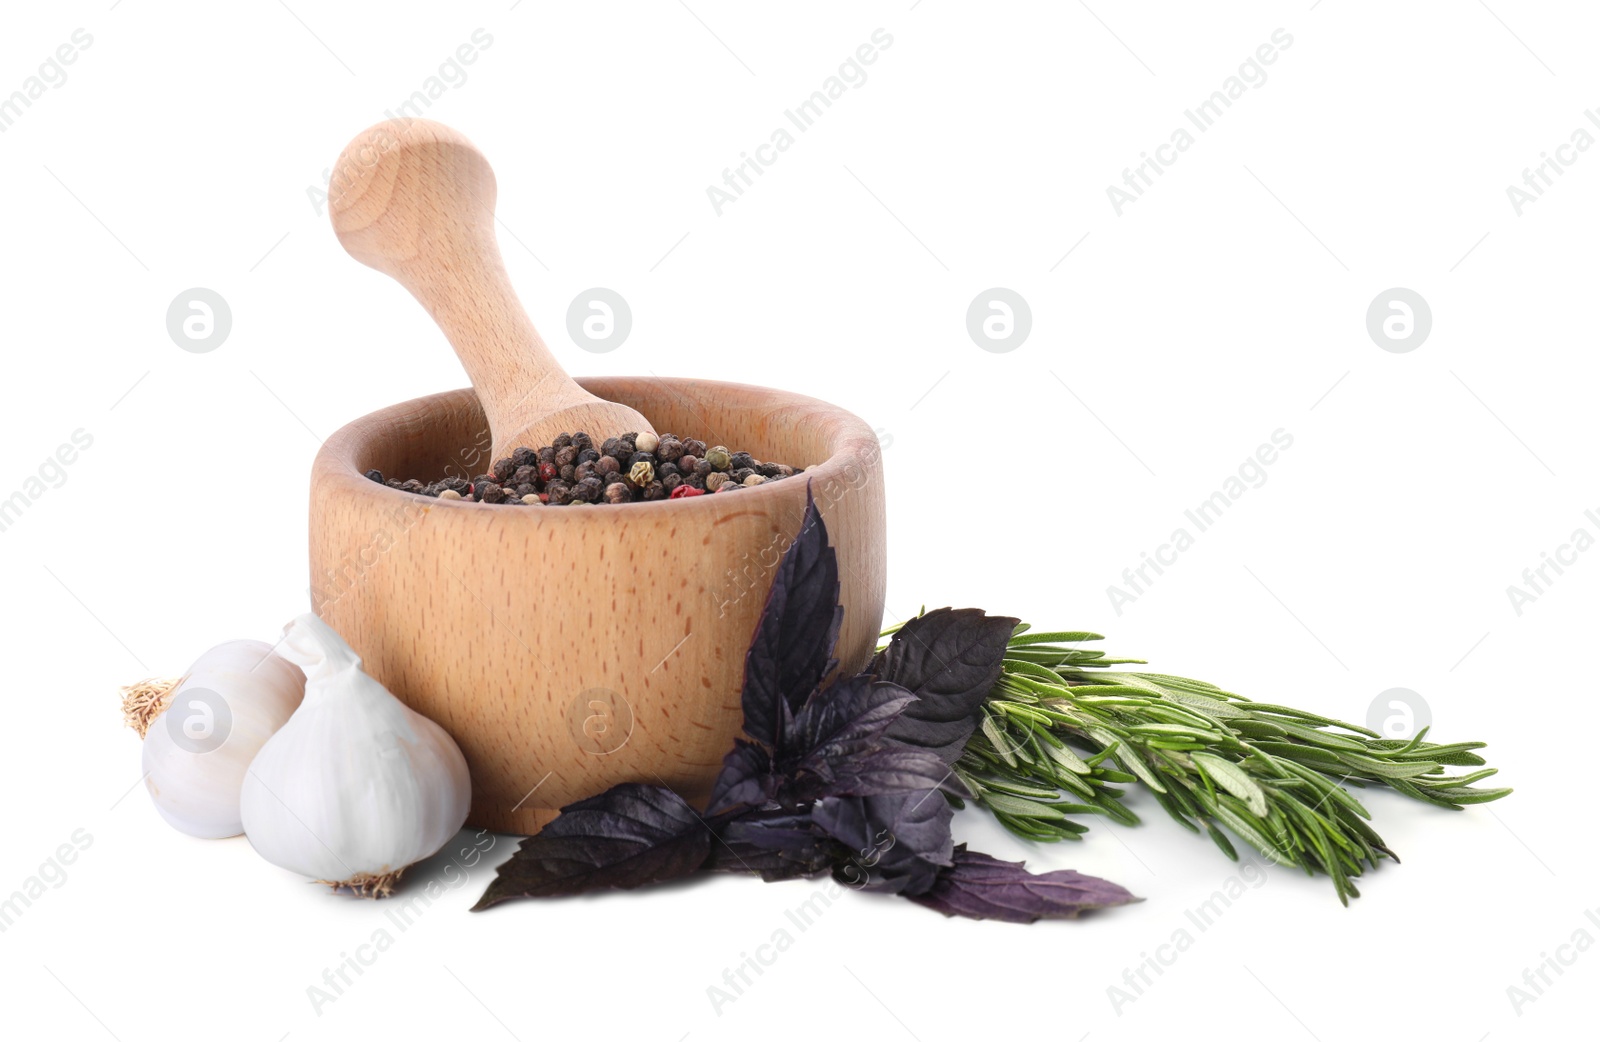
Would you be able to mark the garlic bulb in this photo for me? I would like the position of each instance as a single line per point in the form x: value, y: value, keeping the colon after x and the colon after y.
x: 356, y: 787
x: 201, y: 733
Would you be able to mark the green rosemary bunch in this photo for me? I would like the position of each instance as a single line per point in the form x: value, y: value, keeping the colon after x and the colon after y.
x: 1062, y: 731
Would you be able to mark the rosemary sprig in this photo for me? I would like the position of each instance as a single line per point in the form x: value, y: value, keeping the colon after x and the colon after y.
x: 1062, y: 731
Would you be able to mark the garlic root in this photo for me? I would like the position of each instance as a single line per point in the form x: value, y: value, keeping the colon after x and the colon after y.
x: 367, y: 884
x: 144, y: 701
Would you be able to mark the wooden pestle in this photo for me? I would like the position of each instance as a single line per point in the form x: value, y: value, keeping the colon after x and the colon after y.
x: 415, y: 200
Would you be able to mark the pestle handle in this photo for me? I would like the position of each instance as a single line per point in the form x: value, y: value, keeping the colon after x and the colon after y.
x: 415, y: 200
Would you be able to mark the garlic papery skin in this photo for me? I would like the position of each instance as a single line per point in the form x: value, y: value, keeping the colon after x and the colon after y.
x: 356, y: 787
x: 200, y: 739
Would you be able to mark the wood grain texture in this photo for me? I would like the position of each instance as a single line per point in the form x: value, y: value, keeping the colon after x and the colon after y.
x: 533, y: 634
x: 415, y: 200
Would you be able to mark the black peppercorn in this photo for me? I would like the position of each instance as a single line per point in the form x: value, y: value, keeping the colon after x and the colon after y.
x: 687, y: 463
x: 609, y: 447
x: 375, y: 475
x: 394, y: 483
x: 742, y: 461
x: 665, y: 469
x: 740, y: 473
x: 569, y: 473
x: 669, y: 449
x: 562, y: 441
x: 560, y: 494
x: 702, y: 468
x: 583, y: 470
x: 694, y: 447
x: 655, y: 490
x: 524, y: 475
x: 770, y: 470
x: 566, y: 457
x: 490, y: 493
x: 581, y: 441
x: 614, y: 477
x: 525, y: 457
x: 588, y: 455
x: 547, y: 455
x: 671, y: 481
x: 503, y: 469
x: 455, y: 484
x: 607, y: 465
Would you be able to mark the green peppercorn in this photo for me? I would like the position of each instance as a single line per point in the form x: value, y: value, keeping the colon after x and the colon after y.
x: 753, y: 480
x: 716, y: 480
x: 641, y: 473
x: 719, y: 458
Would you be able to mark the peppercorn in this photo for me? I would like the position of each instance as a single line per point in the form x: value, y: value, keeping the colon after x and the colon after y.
x: 719, y: 458
x: 525, y: 490
x: 685, y: 491
x: 523, y: 475
x: 626, y: 446
x: 532, y: 500
x: 665, y: 469
x: 525, y: 457
x: 687, y: 463
x: 740, y: 473
x: 716, y: 480
x: 411, y: 485
x: 618, y: 493
x: 569, y: 473
x: 562, y: 441
x: 609, y: 447
x: 670, y: 449
x: 696, y: 481
x: 784, y: 470
x: 694, y: 447
x: 449, y: 493
x: 671, y: 481
x: 730, y: 486
x: 588, y: 455
x: 770, y: 470
x: 583, y: 470
x: 655, y: 490
x: 646, y: 442
x: 566, y: 457
x: 491, y: 493
x: 581, y: 441
x: 587, y: 490
x: 703, y: 467
x: 607, y: 465
x: 548, y: 471
x: 547, y: 455
x: 753, y: 480
x: 615, y: 477
x: 558, y: 493
x: 503, y: 469
x: 641, y: 473
x: 375, y: 475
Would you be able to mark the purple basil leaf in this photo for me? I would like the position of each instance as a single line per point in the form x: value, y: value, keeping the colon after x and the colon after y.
x: 897, y: 841
x: 626, y: 837
x: 792, y: 651
x: 948, y: 658
x: 746, y: 778
x: 891, y: 767
x: 978, y: 886
x: 776, y: 844
x: 847, y: 717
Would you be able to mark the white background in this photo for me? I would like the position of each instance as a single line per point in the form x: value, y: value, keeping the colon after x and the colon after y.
x: 1167, y: 343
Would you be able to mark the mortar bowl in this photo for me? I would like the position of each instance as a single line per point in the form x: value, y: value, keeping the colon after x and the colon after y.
x: 568, y: 649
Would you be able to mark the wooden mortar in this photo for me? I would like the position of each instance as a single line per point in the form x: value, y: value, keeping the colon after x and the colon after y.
x: 571, y: 648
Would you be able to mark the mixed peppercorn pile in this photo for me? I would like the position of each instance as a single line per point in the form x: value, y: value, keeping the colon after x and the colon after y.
x: 632, y: 468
